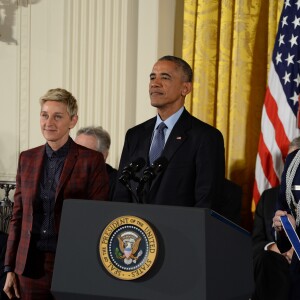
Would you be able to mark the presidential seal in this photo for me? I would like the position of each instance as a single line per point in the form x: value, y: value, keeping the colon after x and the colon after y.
x: 128, y: 247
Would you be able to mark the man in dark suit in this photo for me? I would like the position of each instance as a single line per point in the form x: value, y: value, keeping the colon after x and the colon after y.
x: 288, y: 205
x: 98, y: 139
x: 46, y: 176
x: 194, y: 169
x: 271, y: 268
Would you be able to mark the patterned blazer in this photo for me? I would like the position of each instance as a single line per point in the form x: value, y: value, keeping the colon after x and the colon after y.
x: 83, y: 176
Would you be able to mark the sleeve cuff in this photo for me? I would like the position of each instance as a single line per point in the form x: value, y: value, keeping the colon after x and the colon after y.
x: 267, y: 246
x: 7, y: 269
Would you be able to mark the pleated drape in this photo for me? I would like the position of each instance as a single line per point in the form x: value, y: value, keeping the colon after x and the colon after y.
x: 229, y: 45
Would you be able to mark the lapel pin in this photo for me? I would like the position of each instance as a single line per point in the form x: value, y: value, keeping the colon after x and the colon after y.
x: 178, y: 138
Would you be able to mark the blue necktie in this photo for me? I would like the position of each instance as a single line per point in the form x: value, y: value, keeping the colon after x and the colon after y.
x: 158, y: 143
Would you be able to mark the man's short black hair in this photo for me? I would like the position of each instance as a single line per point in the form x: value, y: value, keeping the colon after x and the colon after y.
x: 186, y: 68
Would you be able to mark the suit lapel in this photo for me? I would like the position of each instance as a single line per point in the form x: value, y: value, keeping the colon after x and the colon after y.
x: 38, y: 166
x: 146, y: 139
x: 177, y: 137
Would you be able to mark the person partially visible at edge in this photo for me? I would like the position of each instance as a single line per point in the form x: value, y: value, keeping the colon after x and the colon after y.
x: 194, y: 151
x: 46, y: 176
x: 271, y: 267
x: 288, y: 204
x: 98, y: 139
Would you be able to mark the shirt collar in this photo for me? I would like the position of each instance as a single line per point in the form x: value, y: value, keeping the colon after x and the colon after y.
x: 171, y: 121
x: 61, y: 152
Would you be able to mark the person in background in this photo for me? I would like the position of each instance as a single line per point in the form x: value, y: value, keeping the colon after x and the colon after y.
x: 98, y: 139
x: 46, y: 175
x: 271, y: 267
x: 192, y: 168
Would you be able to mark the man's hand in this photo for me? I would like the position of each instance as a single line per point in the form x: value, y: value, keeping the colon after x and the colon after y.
x: 11, y: 287
x: 277, y: 222
x: 273, y: 247
x: 288, y: 255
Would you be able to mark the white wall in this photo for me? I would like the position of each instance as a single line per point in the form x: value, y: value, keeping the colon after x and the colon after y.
x: 100, y: 50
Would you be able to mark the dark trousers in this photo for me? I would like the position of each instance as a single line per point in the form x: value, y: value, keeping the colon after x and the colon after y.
x: 272, y: 277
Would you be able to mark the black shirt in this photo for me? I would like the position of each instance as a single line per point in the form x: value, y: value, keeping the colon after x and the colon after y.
x: 43, y: 221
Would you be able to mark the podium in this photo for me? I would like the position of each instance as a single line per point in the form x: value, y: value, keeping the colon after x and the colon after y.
x: 201, y: 255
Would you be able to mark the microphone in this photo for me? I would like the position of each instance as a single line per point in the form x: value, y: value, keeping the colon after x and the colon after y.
x: 150, y: 173
x: 129, y: 171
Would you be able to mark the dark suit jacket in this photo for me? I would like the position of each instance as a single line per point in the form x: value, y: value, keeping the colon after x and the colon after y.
x: 112, y: 175
x: 263, y: 219
x: 83, y: 176
x: 233, y: 194
x: 196, y: 166
x: 273, y: 275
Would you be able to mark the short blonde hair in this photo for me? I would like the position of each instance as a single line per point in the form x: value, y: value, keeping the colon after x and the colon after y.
x: 61, y: 95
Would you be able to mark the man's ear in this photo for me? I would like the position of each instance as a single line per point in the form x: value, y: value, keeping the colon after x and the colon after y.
x: 105, y: 154
x: 186, y: 89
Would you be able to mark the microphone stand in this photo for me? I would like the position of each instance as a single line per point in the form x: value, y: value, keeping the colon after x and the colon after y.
x: 140, y: 192
x: 128, y: 174
x: 129, y: 188
x: 149, y: 174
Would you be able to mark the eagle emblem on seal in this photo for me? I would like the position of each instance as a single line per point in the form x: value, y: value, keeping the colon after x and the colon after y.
x: 127, y: 251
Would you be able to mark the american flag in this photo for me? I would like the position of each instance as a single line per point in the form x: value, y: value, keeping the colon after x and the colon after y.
x: 279, y: 124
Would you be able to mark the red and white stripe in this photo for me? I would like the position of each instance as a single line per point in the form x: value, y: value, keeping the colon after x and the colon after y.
x: 278, y: 129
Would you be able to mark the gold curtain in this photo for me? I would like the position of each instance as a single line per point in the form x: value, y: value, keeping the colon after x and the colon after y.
x: 229, y: 44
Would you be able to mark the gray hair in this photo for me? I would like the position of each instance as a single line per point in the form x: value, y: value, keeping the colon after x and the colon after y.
x: 101, y: 135
x: 295, y: 143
